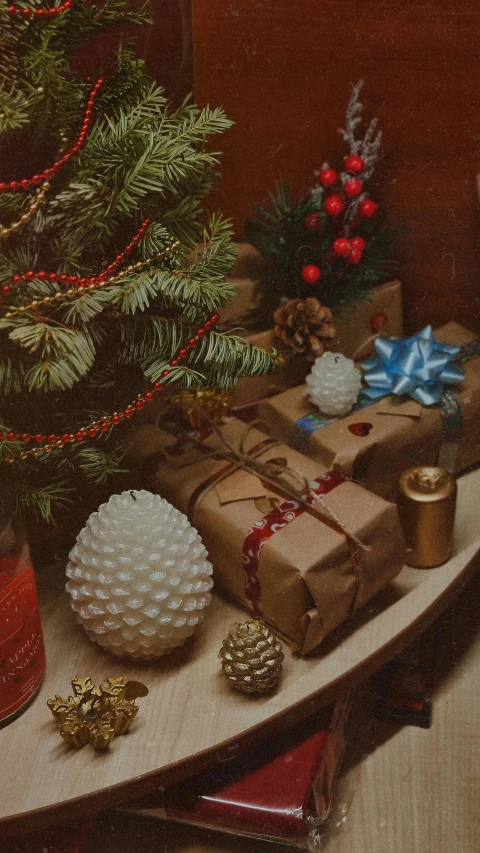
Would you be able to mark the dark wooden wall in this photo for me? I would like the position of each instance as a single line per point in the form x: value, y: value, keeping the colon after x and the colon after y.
x: 169, y: 49
x: 283, y: 71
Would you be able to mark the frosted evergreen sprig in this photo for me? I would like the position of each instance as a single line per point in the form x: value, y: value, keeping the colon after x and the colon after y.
x: 367, y: 146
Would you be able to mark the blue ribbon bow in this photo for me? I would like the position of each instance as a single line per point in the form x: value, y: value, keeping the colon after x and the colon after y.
x: 418, y: 366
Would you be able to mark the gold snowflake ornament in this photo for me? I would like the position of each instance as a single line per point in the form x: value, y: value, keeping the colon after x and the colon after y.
x: 95, y: 715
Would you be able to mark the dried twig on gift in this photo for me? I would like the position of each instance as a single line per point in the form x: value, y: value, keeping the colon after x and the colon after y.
x: 279, y: 476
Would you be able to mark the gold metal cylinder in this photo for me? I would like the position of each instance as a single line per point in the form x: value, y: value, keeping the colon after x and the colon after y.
x: 426, y: 504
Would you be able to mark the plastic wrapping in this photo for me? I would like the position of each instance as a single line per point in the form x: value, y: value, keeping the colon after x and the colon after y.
x: 281, y: 791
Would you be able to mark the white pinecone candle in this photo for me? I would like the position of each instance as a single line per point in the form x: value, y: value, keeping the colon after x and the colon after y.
x: 139, y: 577
x: 334, y: 384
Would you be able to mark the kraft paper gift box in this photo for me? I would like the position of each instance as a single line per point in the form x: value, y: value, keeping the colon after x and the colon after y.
x: 281, y: 790
x: 382, y: 309
x: 274, y: 557
x: 374, y: 445
x: 245, y: 275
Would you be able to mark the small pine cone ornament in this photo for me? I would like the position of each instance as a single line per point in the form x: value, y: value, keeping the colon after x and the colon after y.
x: 252, y: 657
x: 334, y: 384
x: 304, y: 325
x: 139, y: 577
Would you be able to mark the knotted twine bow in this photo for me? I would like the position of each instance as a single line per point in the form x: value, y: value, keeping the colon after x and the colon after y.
x: 302, y: 496
x: 280, y: 477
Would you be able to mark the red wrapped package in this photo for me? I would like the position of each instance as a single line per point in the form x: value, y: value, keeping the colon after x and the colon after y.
x: 63, y: 838
x: 281, y: 791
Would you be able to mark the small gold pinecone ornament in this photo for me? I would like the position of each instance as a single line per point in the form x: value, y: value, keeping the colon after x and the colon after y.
x: 200, y: 404
x: 251, y: 657
x: 303, y: 325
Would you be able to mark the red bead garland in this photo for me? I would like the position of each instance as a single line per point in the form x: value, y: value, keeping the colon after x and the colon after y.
x: 41, y: 13
x: 107, y: 421
x: 47, y: 174
x: 75, y: 280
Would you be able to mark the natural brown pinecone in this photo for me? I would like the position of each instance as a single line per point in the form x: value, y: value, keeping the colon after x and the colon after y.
x: 303, y: 325
x: 251, y: 657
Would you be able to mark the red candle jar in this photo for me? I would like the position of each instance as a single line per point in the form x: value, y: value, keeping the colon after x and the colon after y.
x: 22, y: 654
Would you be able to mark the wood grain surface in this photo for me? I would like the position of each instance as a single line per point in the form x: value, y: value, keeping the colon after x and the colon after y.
x: 283, y: 72
x: 191, y: 717
x: 400, y: 790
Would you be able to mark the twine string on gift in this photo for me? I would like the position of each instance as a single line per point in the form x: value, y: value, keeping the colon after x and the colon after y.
x: 281, y: 477
x: 298, y: 494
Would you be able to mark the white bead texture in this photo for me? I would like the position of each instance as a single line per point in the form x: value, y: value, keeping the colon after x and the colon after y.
x: 139, y: 578
x: 334, y: 384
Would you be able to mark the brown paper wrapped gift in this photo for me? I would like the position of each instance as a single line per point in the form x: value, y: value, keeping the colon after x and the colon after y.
x: 245, y: 275
x: 354, y: 336
x: 374, y: 445
x: 311, y: 576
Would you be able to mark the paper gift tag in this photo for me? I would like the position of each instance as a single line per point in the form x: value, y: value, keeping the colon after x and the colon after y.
x: 239, y: 486
x: 393, y: 406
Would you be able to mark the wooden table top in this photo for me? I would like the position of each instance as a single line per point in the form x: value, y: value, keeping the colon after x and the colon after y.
x: 191, y: 717
x: 401, y: 789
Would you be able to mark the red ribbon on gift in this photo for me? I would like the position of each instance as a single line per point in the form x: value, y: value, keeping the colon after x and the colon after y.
x: 264, y: 529
x: 275, y: 519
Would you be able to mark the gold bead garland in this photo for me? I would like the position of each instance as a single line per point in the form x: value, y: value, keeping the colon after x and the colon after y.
x: 38, y: 201
x: 106, y: 422
x: 75, y: 291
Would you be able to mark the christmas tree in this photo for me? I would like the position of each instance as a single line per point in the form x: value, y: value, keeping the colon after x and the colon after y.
x: 331, y: 242
x: 106, y: 298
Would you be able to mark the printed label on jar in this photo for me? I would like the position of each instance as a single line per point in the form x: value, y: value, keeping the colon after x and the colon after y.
x: 22, y: 654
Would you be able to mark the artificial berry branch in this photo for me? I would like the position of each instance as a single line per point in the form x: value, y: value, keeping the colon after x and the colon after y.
x: 332, y: 242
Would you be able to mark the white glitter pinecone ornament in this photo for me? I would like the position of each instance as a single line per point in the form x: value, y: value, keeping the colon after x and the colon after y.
x: 139, y: 577
x: 334, y: 384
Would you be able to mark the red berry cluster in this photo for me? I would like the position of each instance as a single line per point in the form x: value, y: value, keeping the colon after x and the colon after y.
x: 334, y: 204
x: 76, y: 280
x: 28, y: 183
x: 107, y: 421
x: 41, y: 13
x: 352, y: 249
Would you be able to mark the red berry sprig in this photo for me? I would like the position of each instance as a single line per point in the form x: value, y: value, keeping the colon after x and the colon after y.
x: 367, y: 208
x: 352, y: 249
x: 327, y: 177
x: 311, y: 274
x: 354, y: 164
x: 94, y: 429
x: 41, y: 13
x: 75, y: 280
x: 312, y: 221
x: 353, y: 188
x: 333, y: 205
x: 47, y: 174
